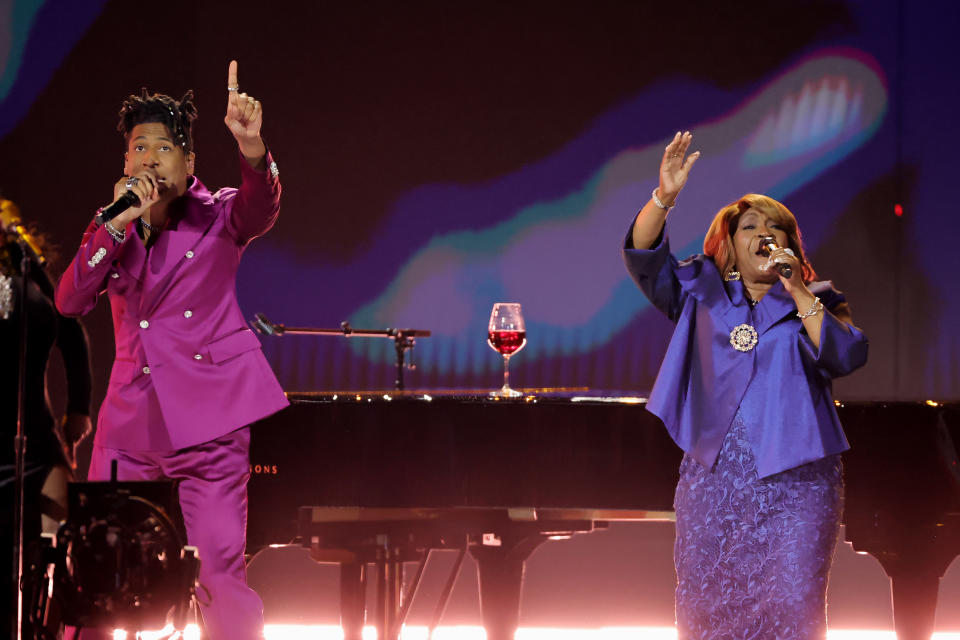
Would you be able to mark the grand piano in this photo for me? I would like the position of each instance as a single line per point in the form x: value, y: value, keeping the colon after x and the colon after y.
x: 378, y: 479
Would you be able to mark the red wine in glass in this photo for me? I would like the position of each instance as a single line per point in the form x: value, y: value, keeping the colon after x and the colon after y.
x: 507, y: 343
x: 506, y: 334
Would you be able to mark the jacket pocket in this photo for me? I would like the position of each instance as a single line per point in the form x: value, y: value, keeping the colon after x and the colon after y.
x: 232, y: 344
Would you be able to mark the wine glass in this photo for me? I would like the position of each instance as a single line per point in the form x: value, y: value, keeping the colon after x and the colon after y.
x: 506, y: 334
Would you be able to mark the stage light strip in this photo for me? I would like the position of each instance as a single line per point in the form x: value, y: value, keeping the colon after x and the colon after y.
x: 333, y: 632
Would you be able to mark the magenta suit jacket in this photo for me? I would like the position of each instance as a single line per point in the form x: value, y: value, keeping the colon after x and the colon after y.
x: 187, y: 368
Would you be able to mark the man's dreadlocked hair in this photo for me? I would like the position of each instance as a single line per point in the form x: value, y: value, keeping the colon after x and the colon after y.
x: 175, y: 115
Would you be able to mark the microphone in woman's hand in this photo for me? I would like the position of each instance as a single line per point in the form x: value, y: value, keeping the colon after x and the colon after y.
x: 767, y: 246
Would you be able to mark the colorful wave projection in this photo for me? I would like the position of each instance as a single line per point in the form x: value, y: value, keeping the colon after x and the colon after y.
x: 548, y: 236
x: 35, y: 38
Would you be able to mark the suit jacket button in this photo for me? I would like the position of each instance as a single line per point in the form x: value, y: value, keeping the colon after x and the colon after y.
x: 146, y: 369
x: 197, y: 356
x: 189, y: 254
x: 144, y: 324
x: 187, y: 313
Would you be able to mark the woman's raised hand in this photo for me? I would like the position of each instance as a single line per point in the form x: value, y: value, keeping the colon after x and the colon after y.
x: 676, y: 166
x: 673, y: 175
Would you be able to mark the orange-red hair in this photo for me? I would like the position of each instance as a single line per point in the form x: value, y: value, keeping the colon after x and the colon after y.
x: 718, y: 244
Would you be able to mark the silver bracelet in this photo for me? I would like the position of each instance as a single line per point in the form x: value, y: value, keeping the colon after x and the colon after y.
x: 656, y: 201
x: 814, y: 309
x: 117, y: 235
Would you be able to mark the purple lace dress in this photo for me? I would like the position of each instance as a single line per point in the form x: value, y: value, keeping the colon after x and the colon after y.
x: 752, y: 554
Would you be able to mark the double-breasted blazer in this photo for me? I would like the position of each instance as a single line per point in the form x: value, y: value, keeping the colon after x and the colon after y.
x: 187, y: 368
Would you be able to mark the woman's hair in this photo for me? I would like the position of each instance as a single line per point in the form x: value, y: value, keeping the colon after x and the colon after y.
x: 718, y: 244
x: 10, y: 251
x: 175, y: 115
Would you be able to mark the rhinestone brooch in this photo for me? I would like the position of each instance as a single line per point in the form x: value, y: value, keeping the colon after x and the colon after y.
x: 743, y: 337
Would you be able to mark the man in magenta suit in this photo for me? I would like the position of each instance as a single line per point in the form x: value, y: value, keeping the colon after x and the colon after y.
x: 188, y: 375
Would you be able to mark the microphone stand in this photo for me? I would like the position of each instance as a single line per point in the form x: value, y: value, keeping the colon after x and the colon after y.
x: 403, y: 339
x: 27, y: 255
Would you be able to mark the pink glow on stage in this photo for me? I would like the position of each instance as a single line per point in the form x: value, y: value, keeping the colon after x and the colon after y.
x: 333, y: 632
x: 192, y: 632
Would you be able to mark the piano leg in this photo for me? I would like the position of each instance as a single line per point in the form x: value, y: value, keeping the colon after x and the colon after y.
x: 389, y: 578
x: 914, y: 603
x: 915, y: 564
x: 353, y: 592
x: 394, y: 585
x: 500, y: 570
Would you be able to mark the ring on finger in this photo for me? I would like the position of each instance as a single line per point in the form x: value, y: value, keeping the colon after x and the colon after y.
x: 131, y: 182
x: 229, y: 88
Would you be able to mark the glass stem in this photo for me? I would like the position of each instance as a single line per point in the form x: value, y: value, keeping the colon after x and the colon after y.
x: 506, y: 372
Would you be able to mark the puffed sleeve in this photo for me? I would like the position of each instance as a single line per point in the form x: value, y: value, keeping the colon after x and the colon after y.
x: 654, y: 271
x: 84, y: 280
x: 254, y: 207
x: 843, y: 347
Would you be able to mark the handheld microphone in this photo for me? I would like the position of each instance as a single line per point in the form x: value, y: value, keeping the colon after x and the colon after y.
x: 11, y: 223
x: 111, y: 211
x: 767, y: 245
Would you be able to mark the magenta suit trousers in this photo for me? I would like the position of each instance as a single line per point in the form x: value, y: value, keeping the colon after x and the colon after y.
x: 212, y: 480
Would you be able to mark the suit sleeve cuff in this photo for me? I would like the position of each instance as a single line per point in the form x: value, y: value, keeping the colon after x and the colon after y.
x: 101, y: 245
x: 645, y: 263
x: 843, y: 348
x: 271, y: 172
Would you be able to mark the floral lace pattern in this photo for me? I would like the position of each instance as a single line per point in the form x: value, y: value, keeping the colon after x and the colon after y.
x: 752, y: 554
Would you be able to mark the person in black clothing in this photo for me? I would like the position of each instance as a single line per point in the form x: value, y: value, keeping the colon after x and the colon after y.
x: 50, y: 444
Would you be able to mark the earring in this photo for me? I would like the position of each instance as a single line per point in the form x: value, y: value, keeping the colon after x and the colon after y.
x: 732, y: 276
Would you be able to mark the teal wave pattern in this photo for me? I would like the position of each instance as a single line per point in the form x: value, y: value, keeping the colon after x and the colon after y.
x: 560, y: 257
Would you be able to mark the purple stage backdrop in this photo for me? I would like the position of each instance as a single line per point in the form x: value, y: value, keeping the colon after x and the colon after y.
x: 437, y: 158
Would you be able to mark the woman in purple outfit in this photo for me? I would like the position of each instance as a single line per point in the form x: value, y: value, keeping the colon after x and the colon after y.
x: 745, y: 390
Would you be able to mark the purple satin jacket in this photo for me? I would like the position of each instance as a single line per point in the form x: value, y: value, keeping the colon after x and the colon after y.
x: 187, y: 368
x: 782, y: 385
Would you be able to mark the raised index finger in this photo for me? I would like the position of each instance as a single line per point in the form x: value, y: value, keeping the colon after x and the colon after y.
x: 232, y: 82
x: 232, y: 74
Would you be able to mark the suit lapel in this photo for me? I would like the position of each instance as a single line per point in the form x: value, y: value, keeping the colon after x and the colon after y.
x: 706, y: 286
x: 170, y: 252
x: 736, y: 311
x: 773, y: 308
x: 727, y: 300
x: 132, y: 255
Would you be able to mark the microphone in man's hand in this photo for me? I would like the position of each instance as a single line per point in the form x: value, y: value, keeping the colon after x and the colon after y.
x: 111, y: 211
x: 767, y: 245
